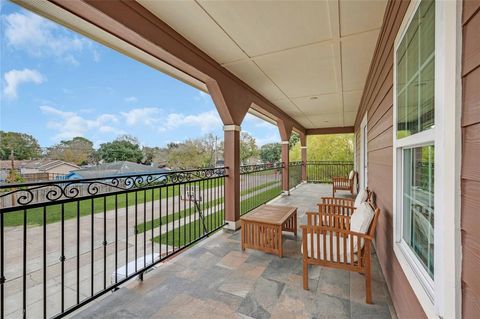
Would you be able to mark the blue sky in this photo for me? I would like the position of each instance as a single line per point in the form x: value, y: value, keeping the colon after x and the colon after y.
x: 57, y: 84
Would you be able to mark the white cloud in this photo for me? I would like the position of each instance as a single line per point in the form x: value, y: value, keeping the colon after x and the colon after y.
x: 206, y: 121
x: 41, y: 37
x: 145, y: 116
x: 70, y: 124
x: 202, y: 96
x: 272, y: 137
x: 96, y: 56
x: 14, y: 78
x: 131, y: 99
x: 258, y: 122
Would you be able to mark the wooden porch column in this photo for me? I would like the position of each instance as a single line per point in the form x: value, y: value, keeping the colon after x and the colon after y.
x: 303, y: 149
x: 285, y: 128
x: 232, y: 108
x: 286, y: 168
x: 232, y: 182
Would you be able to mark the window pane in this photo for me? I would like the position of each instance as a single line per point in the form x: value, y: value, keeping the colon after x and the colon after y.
x: 427, y: 87
x: 418, y: 209
x: 415, y: 73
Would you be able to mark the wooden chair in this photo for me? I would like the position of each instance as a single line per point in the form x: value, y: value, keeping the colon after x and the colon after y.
x: 344, y: 183
x: 336, y: 246
x: 342, y: 206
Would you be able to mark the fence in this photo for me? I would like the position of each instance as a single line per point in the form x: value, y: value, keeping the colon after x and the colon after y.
x: 259, y: 184
x: 80, y: 241
x: 323, y: 171
x: 294, y: 174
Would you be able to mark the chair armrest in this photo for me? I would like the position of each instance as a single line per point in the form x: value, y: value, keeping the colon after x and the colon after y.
x: 327, y: 229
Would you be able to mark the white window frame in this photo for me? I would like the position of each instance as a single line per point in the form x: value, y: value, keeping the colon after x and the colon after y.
x: 439, y: 297
x: 363, y: 170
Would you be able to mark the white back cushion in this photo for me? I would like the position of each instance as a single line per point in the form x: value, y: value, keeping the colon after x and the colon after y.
x: 361, y: 197
x: 360, y: 221
x: 350, y: 176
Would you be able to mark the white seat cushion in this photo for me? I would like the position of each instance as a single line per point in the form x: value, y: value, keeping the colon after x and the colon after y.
x: 361, y: 197
x: 323, y: 256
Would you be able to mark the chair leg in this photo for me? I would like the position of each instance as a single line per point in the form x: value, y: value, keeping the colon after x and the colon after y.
x: 368, y: 284
x: 305, y: 275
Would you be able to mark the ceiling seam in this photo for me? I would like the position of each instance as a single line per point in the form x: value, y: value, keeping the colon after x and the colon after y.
x: 221, y: 28
x: 249, y: 57
x: 275, y: 84
x: 252, y: 57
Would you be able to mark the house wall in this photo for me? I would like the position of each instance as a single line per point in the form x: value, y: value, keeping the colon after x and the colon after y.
x: 470, y: 202
x: 62, y: 169
x: 377, y: 101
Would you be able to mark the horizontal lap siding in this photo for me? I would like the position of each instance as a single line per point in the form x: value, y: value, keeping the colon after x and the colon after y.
x: 470, y: 218
x: 377, y: 101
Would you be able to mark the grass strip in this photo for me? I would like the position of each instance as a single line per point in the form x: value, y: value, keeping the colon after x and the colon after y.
x: 189, y: 232
x: 191, y: 210
x: 54, y: 212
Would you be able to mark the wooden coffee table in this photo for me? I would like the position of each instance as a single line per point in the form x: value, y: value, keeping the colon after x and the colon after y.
x: 262, y: 227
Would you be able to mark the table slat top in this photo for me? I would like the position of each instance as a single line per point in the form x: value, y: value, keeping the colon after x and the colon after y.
x: 269, y: 214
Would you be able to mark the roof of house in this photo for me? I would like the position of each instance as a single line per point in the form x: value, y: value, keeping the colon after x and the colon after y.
x: 41, y: 165
x: 116, y: 168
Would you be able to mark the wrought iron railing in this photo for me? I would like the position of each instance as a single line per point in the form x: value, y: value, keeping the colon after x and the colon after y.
x: 65, y: 243
x: 323, y: 171
x: 294, y: 174
x: 259, y: 184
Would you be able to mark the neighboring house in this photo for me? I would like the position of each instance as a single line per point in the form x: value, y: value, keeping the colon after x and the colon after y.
x: 115, y: 169
x: 34, y: 170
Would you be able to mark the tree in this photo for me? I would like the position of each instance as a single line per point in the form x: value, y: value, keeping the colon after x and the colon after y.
x: 124, y: 148
x: 24, y: 146
x: 189, y: 154
x: 78, y: 150
x: 248, y: 147
x: 294, y: 139
x: 193, y: 153
x: 332, y: 147
x: 271, y: 153
x: 154, y: 155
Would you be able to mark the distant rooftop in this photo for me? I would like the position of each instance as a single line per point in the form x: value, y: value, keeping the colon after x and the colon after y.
x: 41, y: 164
x: 114, y: 169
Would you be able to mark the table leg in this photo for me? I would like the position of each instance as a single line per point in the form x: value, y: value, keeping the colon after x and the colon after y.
x: 242, y: 235
x: 295, y: 224
x: 280, y: 242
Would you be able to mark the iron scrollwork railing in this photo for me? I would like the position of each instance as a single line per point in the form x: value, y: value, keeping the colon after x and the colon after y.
x: 294, y: 174
x: 26, y: 193
x: 323, y: 171
x: 244, y: 169
x: 259, y: 184
x: 65, y: 243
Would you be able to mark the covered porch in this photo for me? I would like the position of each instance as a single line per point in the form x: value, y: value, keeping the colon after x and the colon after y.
x: 215, y: 279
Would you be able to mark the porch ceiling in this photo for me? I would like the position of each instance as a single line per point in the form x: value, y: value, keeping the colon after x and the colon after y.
x: 310, y: 58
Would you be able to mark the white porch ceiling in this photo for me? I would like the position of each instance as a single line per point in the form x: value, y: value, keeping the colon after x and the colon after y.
x: 310, y: 58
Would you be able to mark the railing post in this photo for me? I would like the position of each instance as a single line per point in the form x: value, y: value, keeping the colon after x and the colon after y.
x: 303, y: 149
x: 232, y: 181
x: 304, y: 163
x: 285, y: 170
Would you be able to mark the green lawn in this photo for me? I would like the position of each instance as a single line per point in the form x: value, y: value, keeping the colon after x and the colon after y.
x: 84, y: 207
x: 187, y: 233
x: 191, y: 210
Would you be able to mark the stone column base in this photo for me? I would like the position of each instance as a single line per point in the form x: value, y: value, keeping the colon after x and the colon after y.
x: 231, y: 225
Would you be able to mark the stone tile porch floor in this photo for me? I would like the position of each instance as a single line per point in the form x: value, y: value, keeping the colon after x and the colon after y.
x: 215, y: 279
